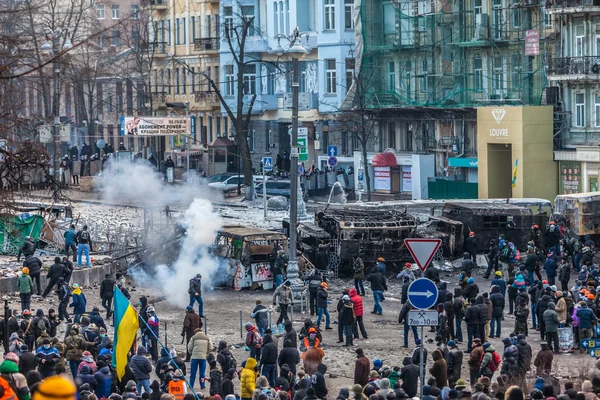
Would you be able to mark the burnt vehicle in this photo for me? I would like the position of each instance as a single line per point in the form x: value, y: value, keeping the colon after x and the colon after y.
x: 450, y: 232
x: 369, y: 233
x: 581, y: 212
x: 490, y: 220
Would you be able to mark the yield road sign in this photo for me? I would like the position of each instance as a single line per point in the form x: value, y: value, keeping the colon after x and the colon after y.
x: 423, y: 318
x: 332, y: 161
x: 422, y: 250
x: 332, y: 151
x: 422, y: 293
x: 268, y: 163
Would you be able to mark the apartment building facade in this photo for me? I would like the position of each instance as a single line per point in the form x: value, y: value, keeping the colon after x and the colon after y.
x: 573, y: 74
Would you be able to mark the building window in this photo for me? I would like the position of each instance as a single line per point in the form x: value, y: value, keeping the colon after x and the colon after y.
x: 183, y: 32
x: 101, y: 40
x: 193, y: 79
x: 516, y: 71
x: 249, y: 79
x: 268, y: 141
x: 516, y: 13
x: 248, y: 14
x: 217, y: 80
x: 193, y: 27
x: 391, y: 76
x: 177, y: 40
x: 329, y: 13
x: 229, y: 80
x: 579, y: 41
x: 477, y: 7
x: 330, y: 77
x: 116, y: 11
x: 116, y: 39
x: 344, y: 142
x: 424, y: 71
x: 597, y: 40
x: 597, y: 109
x: 176, y: 79
x: 546, y: 16
x: 110, y: 103
x: 392, y: 135
x: 348, y: 14
x: 324, y: 141
x: 478, y: 73
x: 183, y: 80
x: 408, y: 78
x: 208, y: 78
x: 100, y: 11
x: 579, y: 110
x: 228, y: 19
x: 350, y: 65
x: 168, y: 81
x: 168, y: 31
x: 498, y: 75
x: 135, y: 11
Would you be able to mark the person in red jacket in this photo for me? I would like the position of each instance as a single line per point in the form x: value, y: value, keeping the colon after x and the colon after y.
x: 358, y: 313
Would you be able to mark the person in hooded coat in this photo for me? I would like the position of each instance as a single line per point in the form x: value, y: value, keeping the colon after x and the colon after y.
x: 454, y: 361
x: 289, y: 355
x: 319, y: 383
x: 362, y: 367
x: 439, y: 370
x: 268, y: 359
x: 248, y: 379
x: 510, y: 362
x: 290, y: 333
x: 224, y: 357
x: 525, y: 354
x: 191, y: 322
x: 227, y: 385
x: 497, y: 300
x: 410, y: 377
x: 467, y: 264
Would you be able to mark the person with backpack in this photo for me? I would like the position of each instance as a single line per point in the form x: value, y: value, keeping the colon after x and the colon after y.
x: 260, y: 317
x: 107, y: 287
x: 25, y: 285
x: 254, y: 340
x: 79, y: 303
x: 57, y: 270
x: 490, y: 361
x: 224, y: 357
x: 84, y: 243
x: 64, y: 294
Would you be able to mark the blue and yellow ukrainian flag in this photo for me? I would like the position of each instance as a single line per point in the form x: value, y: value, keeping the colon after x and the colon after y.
x: 125, y: 320
x: 514, y: 177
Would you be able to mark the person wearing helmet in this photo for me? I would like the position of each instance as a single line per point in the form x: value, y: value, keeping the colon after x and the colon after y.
x: 25, y: 285
x: 78, y: 303
x: 152, y: 332
x: 381, y: 265
x: 406, y: 273
x: 322, y: 306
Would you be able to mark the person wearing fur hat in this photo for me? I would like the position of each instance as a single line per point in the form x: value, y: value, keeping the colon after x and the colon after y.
x: 55, y: 388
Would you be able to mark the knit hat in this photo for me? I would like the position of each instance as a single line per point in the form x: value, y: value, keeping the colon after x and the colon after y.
x: 486, y: 345
x: 470, y: 280
x: 346, y: 297
x: 452, y: 394
x: 56, y: 387
x: 451, y: 343
x: 407, y: 265
x: 261, y: 382
x: 357, y: 389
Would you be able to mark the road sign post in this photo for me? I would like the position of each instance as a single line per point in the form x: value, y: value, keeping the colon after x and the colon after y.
x: 264, y: 182
x: 268, y: 164
x: 332, y: 161
x: 422, y: 293
x: 300, y: 169
x: 332, y: 151
x: 423, y: 318
x: 422, y: 250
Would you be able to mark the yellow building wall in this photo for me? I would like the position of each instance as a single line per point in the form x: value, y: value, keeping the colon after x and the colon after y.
x: 529, y: 131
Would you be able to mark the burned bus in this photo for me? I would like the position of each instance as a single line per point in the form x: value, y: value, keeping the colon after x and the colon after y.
x: 369, y: 233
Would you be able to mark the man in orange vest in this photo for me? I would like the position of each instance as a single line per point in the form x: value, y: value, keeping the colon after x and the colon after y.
x: 177, y: 386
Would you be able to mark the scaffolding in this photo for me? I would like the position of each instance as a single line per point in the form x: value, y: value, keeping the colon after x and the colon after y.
x: 460, y: 53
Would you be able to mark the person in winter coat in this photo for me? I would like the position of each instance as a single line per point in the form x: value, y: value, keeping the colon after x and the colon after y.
x: 191, y: 322
x: 525, y: 354
x: 248, y: 379
x: 587, y: 320
x: 224, y: 357
x: 467, y: 265
x: 359, y: 274
x: 57, y: 270
x: 403, y: 319
x: 362, y: 367
x: 410, y: 377
x: 87, y: 360
x: 497, y: 300
x: 27, y: 249
x: 550, y: 266
x: 86, y: 375
x: 284, y: 380
x: 432, y: 273
x: 261, y: 317
x: 9, y: 370
x: 268, y: 359
x: 564, y: 274
x: 540, y: 308
x: 284, y: 295
x: 313, y: 280
x: 561, y: 309
x: 312, y: 358
x: 488, y: 362
x: 322, y: 306
x: 195, y: 293
x: 25, y: 284
x: 290, y: 333
x: 551, y: 324
x: 47, y: 357
x: 406, y: 275
x: 472, y: 290
x: 472, y: 319
x: 104, y: 383
x: 199, y: 347
x: 500, y: 282
x: 78, y: 303
x: 484, y: 317
x: 475, y: 360
x: 34, y: 265
x: 107, y: 287
x: 141, y: 368
x: 416, y: 354
x: 358, y: 314
x: 289, y: 356
x: 521, y: 315
x: 587, y: 389
x: 439, y: 370
x: 216, y: 379
x: 346, y: 319
x: 319, y: 383
x: 457, y: 307
x: 471, y: 247
x: 64, y: 294
x: 75, y: 345
x: 543, y: 360
x: 510, y: 363
x: 378, y: 286
x: 253, y: 340
x: 227, y: 385
x: 454, y: 361
x: 26, y: 360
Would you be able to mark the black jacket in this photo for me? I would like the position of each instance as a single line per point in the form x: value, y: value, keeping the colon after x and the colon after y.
x: 195, y: 286
x: 432, y: 273
x: 56, y: 271
x: 410, y: 377
x: 483, y: 311
x: 290, y: 334
x: 314, y: 281
x: 227, y: 385
x: 269, y: 351
x: 288, y: 355
x: 107, y: 287
x: 471, y: 244
x: 34, y: 264
x: 321, y: 298
x: 497, y: 302
x: 542, y: 305
x: 26, y: 362
x: 319, y: 381
x: 346, y: 316
x: 377, y: 281
x: 473, y: 315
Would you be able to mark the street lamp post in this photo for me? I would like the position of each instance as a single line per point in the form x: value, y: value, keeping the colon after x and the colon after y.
x: 296, y: 51
x: 187, y: 141
x: 53, y: 48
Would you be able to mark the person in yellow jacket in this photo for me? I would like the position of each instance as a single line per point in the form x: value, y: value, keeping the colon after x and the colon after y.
x: 248, y: 379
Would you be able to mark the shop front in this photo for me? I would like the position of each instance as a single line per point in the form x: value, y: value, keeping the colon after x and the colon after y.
x: 578, y: 169
x: 515, y: 152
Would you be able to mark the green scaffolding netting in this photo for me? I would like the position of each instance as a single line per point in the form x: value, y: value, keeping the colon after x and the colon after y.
x: 14, y: 230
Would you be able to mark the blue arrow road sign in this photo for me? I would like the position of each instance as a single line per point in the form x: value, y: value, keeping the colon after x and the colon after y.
x: 422, y: 293
x: 268, y: 163
x: 332, y: 151
x: 332, y: 161
x: 590, y: 343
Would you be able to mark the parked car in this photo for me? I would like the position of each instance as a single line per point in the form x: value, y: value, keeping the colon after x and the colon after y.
x: 230, y: 182
x: 221, y: 177
x: 279, y: 188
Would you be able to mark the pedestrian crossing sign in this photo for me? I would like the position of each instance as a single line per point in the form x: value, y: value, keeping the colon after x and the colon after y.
x: 268, y: 164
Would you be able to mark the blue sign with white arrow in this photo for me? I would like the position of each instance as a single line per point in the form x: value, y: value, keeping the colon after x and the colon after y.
x: 332, y: 151
x: 422, y: 293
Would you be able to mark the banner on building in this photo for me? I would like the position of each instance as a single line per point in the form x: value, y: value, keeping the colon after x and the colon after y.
x: 383, y: 178
x: 532, y: 42
x: 569, y: 177
x: 45, y: 133
x: 156, y: 126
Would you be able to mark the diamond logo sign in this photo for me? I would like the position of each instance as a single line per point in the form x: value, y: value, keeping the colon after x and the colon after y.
x: 498, y: 114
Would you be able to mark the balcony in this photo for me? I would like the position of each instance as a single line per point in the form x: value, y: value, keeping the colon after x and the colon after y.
x: 160, y: 5
x: 156, y: 49
x: 159, y: 98
x: 574, y: 6
x: 205, y: 44
x: 574, y: 68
